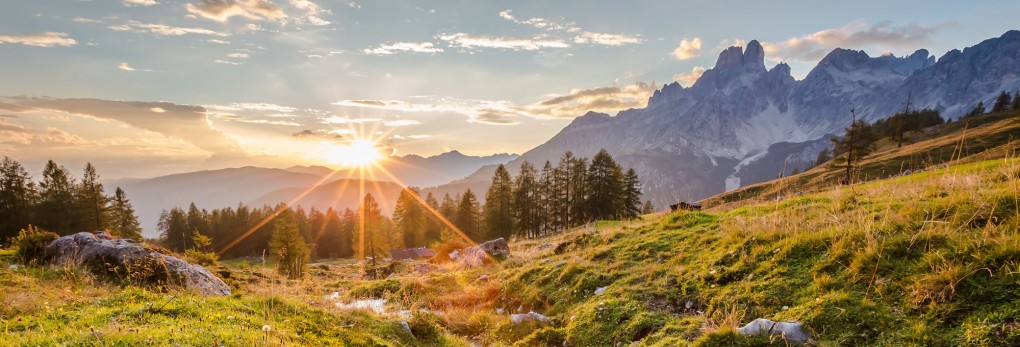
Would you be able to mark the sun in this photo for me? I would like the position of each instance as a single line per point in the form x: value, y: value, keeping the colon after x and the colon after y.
x: 358, y: 153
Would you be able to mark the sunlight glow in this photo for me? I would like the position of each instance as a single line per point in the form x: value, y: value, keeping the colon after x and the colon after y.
x: 359, y: 153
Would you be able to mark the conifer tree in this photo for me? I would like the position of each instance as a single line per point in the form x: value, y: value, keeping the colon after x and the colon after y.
x: 604, y: 187
x: 977, y: 111
x: 546, y: 198
x: 409, y: 217
x: 1015, y: 105
x: 647, y: 208
x: 525, y: 201
x: 632, y: 195
x: 498, y: 214
x: 374, y: 242
x: 577, y: 177
x: 92, y: 204
x: 55, y: 211
x: 287, y: 245
x: 123, y: 221
x: 468, y: 217
x: 857, y: 142
x: 1002, y: 102
x: 433, y: 228
x: 17, y: 198
x: 173, y: 228
x: 348, y: 227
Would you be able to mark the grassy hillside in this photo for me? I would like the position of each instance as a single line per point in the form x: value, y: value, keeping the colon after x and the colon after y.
x: 931, y: 258
x: 984, y: 137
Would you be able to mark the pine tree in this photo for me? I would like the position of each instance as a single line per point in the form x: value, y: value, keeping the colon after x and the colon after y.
x: 631, y: 195
x: 499, y: 220
x: 546, y: 198
x: 92, y: 204
x: 17, y: 198
x: 433, y: 228
x: 173, y: 228
x: 977, y: 111
x: 1002, y: 103
x: 647, y: 208
x: 823, y: 157
x: 410, y: 218
x: 55, y: 211
x: 468, y: 217
x: 287, y: 245
x: 123, y: 221
x: 348, y: 228
x: 1015, y: 105
x: 371, y: 235
x: 525, y: 201
x: 604, y: 187
x: 857, y: 142
x: 577, y: 178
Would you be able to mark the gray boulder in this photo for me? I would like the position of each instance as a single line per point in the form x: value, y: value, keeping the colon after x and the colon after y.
x: 530, y: 316
x: 130, y: 261
x: 789, y: 331
x: 486, y: 252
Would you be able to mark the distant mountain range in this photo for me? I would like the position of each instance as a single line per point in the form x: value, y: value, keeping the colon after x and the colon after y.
x: 256, y: 186
x: 741, y: 123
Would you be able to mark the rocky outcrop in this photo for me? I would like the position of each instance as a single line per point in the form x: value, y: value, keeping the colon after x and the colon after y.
x: 130, y: 261
x: 789, y: 331
x: 484, y: 253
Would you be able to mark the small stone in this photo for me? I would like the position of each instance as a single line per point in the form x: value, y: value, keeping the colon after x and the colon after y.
x: 789, y: 331
x: 407, y: 328
x: 530, y: 316
x: 600, y: 290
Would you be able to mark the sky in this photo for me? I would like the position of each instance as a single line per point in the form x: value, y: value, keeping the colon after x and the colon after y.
x: 143, y: 88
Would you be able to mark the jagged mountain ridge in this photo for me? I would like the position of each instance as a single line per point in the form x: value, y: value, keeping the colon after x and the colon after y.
x: 732, y: 126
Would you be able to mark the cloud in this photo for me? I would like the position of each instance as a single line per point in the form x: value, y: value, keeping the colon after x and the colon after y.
x: 185, y: 122
x: 348, y: 120
x: 86, y: 20
x: 501, y: 112
x: 688, y: 49
x: 401, y: 122
x: 539, y: 23
x: 226, y: 62
x: 606, y: 39
x: 11, y: 133
x: 688, y: 79
x: 313, y: 13
x: 46, y: 39
x: 884, y: 35
x: 252, y: 106
x: 165, y: 30
x: 218, y: 41
x: 124, y: 66
x: 130, y: 3
x: 402, y: 47
x: 470, y: 42
x: 238, y: 55
x: 267, y: 121
x: 222, y: 10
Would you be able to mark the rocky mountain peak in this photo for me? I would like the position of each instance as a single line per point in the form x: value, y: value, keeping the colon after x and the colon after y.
x: 754, y: 54
x: 735, y: 57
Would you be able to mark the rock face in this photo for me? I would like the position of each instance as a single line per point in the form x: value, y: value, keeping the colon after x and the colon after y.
x: 131, y: 261
x: 742, y: 123
x: 789, y: 331
x: 474, y: 256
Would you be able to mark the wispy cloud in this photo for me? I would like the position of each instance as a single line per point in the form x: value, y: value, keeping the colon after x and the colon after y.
x: 688, y: 49
x: 313, y: 12
x: 46, y: 39
x: 502, y: 112
x: 188, y: 123
x: 884, y: 35
x: 222, y: 10
x: 402, y: 47
x: 348, y: 120
x: 17, y: 134
x: 124, y: 66
x: 130, y: 3
x: 267, y: 121
x: 581, y: 36
x: 469, y: 42
x: 688, y: 79
x: 606, y: 39
x: 401, y: 122
x: 165, y: 30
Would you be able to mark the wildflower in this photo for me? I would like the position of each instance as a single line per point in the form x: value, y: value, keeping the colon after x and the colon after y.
x: 266, y: 328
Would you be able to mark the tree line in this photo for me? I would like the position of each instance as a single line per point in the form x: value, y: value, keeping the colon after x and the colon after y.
x: 61, y: 203
x: 536, y: 202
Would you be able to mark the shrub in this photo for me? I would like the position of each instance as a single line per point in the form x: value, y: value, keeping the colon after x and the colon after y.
x: 202, y: 258
x: 31, y: 244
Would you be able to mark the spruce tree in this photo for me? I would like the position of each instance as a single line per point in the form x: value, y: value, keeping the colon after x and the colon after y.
x: 17, y: 198
x: 1015, y: 105
x: 468, y: 217
x: 410, y: 218
x: 632, y: 195
x: 173, y: 228
x: 371, y: 234
x: 124, y: 222
x: 433, y: 227
x: 525, y: 201
x: 1002, y: 102
x: 287, y: 245
x: 55, y: 211
x: 647, y: 208
x: 604, y: 187
x: 546, y: 198
x: 93, y: 209
x: 497, y: 213
x: 857, y: 142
